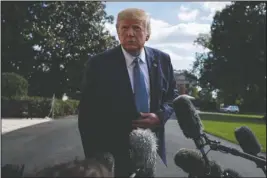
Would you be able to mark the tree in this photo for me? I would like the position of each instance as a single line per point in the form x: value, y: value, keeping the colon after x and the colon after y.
x: 16, y: 52
x: 64, y: 36
x: 205, y: 95
x: 13, y: 85
x: 195, y: 92
x: 236, y: 59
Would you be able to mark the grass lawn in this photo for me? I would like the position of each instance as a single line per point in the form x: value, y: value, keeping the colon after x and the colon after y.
x: 224, y: 126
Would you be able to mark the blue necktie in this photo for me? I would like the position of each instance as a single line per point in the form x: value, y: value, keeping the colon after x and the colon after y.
x: 141, y: 94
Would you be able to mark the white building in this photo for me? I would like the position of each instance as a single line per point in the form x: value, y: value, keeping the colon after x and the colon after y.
x: 183, y: 83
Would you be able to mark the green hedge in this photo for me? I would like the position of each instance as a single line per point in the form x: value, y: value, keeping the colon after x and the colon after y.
x: 64, y: 108
x: 37, y: 107
x: 13, y: 85
x: 205, y: 105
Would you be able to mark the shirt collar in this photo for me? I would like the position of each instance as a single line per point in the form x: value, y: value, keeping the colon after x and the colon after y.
x: 129, y: 58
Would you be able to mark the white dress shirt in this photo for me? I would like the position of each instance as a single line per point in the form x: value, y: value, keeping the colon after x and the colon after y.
x: 143, y: 66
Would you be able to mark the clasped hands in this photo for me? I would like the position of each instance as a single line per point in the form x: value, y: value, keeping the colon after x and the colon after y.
x: 146, y: 121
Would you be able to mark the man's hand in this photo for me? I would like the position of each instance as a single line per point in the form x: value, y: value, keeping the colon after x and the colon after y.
x: 147, y: 121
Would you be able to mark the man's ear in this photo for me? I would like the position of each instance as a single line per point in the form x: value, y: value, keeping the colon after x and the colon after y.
x: 117, y: 30
x: 147, y: 37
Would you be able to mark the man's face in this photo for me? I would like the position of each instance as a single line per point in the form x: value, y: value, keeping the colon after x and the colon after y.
x: 132, y: 35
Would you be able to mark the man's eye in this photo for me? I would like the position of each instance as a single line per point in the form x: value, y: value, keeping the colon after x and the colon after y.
x: 137, y: 28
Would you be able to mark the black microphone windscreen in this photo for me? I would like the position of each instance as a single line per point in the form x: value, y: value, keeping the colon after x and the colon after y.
x: 247, y: 140
x: 215, y: 169
x: 187, y: 117
x: 190, y: 161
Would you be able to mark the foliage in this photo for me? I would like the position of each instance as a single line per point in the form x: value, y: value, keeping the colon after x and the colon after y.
x: 16, y: 52
x: 38, y: 107
x: 205, y: 95
x: 195, y: 92
x: 49, y: 42
x: 236, y: 63
x: 64, y: 108
x: 205, y: 105
x: 13, y: 85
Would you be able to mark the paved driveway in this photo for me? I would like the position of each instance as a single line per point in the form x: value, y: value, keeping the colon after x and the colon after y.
x: 58, y: 141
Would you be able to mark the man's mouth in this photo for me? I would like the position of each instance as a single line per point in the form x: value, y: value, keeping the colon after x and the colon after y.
x: 130, y: 42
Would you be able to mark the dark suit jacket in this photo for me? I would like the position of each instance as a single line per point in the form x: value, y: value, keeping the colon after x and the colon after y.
x: 107, y: 104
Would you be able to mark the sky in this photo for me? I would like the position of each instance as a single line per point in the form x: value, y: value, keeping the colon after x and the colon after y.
x: 175, y: 26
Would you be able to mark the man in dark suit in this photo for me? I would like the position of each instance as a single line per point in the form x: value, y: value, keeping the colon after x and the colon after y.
x: 126, y: 87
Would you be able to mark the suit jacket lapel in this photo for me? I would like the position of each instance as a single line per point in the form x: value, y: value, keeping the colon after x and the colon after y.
x: 152, y: 68
x: 123, y: 76
x: 123, y: 71
x: 154, y: 74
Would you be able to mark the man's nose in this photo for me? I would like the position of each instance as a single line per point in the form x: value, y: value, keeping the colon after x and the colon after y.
x: 130, y: 32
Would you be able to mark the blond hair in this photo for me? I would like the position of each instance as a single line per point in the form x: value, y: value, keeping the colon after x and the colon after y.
x: 135, y: 14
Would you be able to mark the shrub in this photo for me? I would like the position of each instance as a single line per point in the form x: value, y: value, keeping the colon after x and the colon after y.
x: 205, y: 105
x: 25, y: 106
x: 36, y: 107
x: 64, y: 108
x: 13, y: 85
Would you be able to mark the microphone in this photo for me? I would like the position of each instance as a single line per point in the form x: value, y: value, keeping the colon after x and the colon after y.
x: 216, y: 169
x: 192, y: 127
x: 247, y: 140
x: 143, y: 150
x: 190, y: 122
x: 190, y: 161
x: 193, y: 163
x: 187, y: 117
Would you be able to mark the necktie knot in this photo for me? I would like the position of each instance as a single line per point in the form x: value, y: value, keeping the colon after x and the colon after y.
x: 136, y: 61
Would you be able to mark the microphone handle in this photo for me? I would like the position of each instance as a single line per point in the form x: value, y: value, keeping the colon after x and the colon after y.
x: 263, y: 169
x: 259, y: 161
x: 200, y: 143
x: 134, y: 174
x: 262, y: 166
x: 200, y: 146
